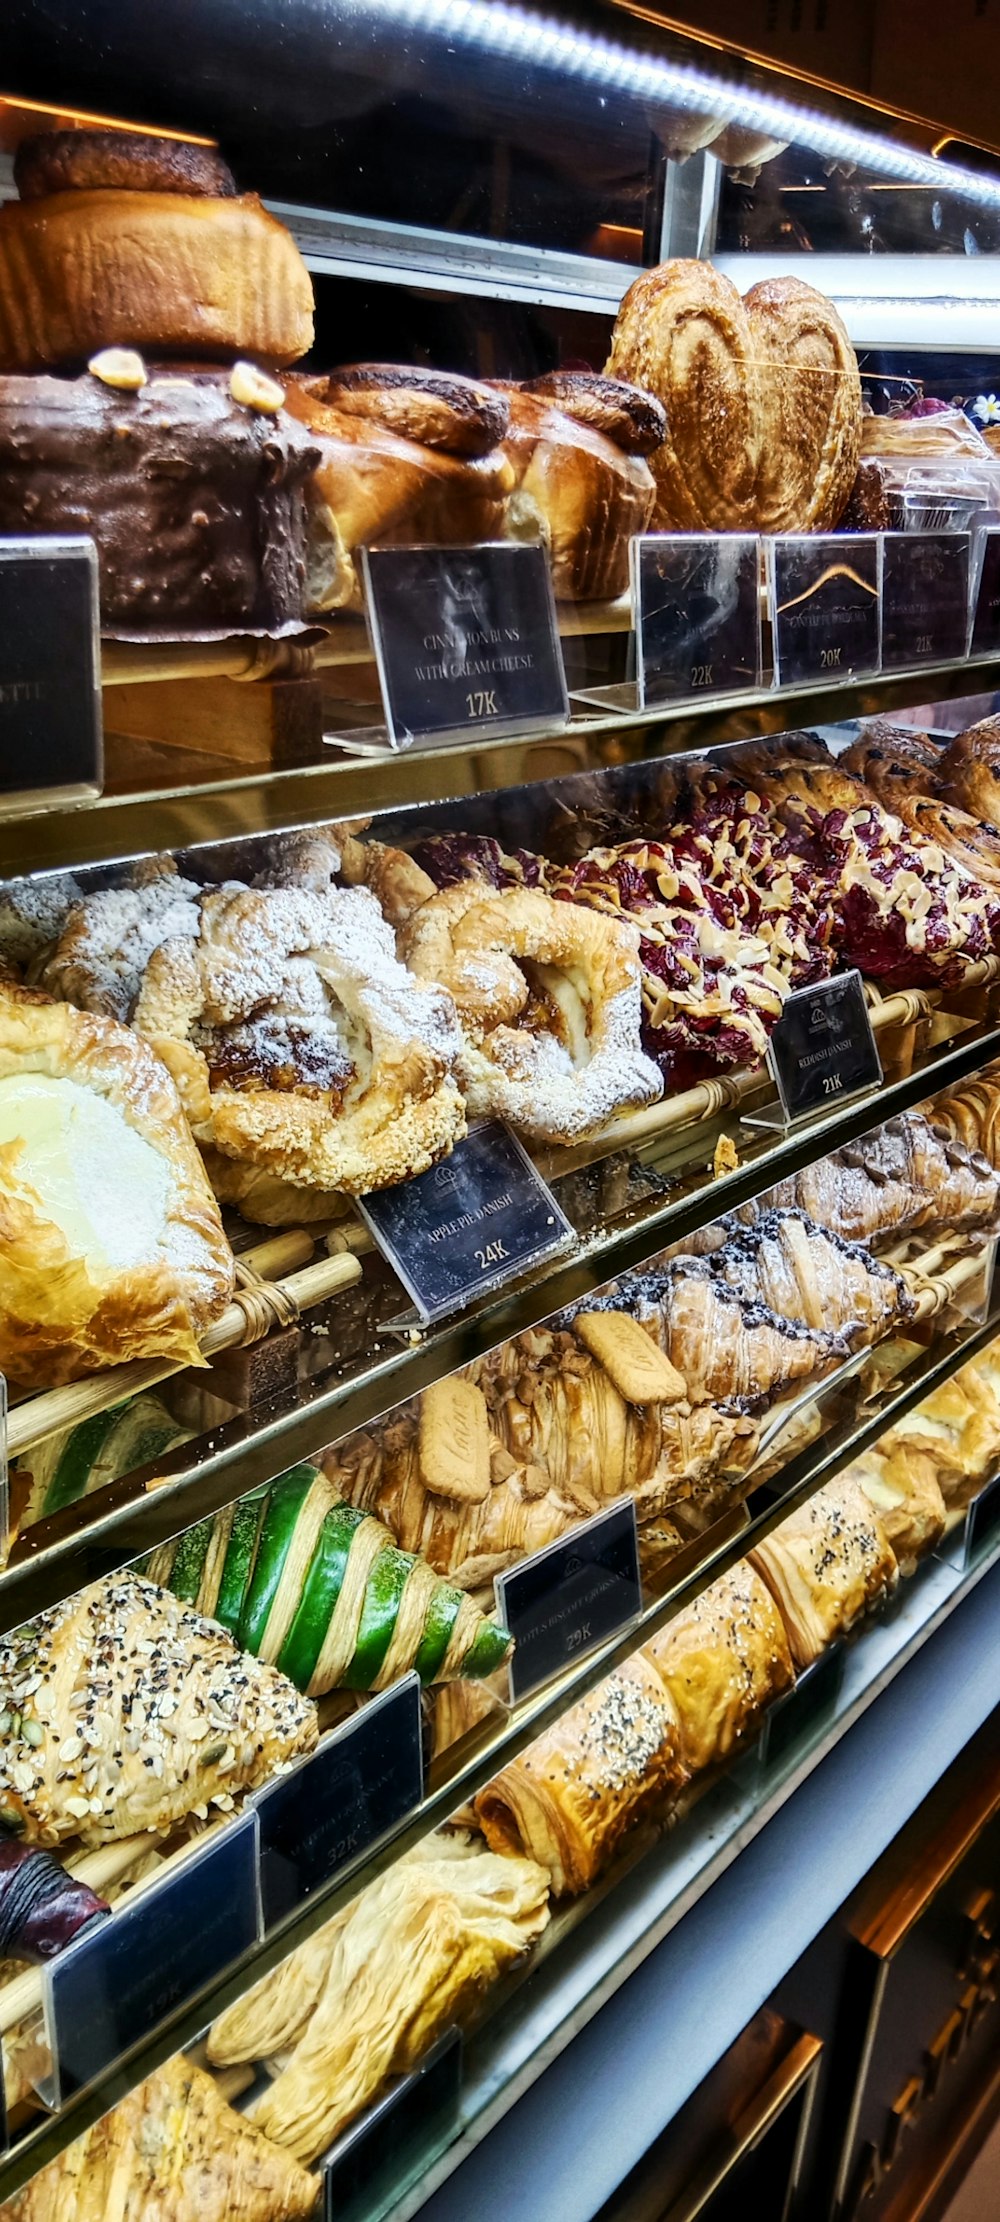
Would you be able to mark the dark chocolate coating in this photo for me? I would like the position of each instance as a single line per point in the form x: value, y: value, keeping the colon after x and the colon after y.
x: 118, y: 161
x: 41, y: 1907
x: 197, y: 504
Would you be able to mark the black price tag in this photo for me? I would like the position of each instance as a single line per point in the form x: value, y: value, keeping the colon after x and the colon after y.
x: 566, y: 1599
x: 465, y: 640
x: 824, y: 601
x: 126, y: 1975
x: 396, y: 2132
x: 986, y: 619
x: 697, y: 615
x: 364, y: 1778
x: 815, y: 1693
x: 982, y: 1520
x: 822, y: 1049
x: 468, y: 1224
x: 925, y: 597
x: 50, y: 670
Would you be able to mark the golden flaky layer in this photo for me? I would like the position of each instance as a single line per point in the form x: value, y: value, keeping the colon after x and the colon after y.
x: 164, y: 272
x: 612, y: 1761
x: 363, y: 1999
x: 723, y: 1659
x: 81, y: 1290
x: 825, y: 1566
x: 582, y: 484
x: 762, y: 396
x: 549, y: 1000
x: 172, y: 2151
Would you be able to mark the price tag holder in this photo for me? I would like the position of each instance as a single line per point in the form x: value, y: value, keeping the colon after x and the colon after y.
x: 822, y: 1051
x: 812, y: 1699
x: 697, y: 615
x: 468, y: 1224
x: 824, y: 600
x: 985, y: 636
x: 925, y: 597
x: 977, y: 1528
x: 362, y: 1780
x: 466, y: 641
x: 566, y: 1599
x: 126, y: 1975
x: 51, y: 738
x: 398, y: 2131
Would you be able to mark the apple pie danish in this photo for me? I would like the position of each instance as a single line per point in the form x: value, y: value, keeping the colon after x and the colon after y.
x: 549, y: 1003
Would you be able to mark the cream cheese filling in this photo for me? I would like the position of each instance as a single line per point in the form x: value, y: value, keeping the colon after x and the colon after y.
x: 106, y: 1188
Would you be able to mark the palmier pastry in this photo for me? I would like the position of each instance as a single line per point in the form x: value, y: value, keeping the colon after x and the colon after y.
x: 111, y: 1245
x: 825, y: 1566
x: 723, y: 1659
x: 613, y: 1760
x: 578, y: 447
x: 406, y: 456
x: 120, y: 241
x: 300, y: 1044
x: 549, y: 1001
x: 970, y: 771
x: 762, y: 396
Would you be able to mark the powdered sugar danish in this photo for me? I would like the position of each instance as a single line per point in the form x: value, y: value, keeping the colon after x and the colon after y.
x: 300, y: 1044
x: 549, y: 1002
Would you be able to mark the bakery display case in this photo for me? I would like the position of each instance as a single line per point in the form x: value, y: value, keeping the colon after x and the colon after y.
x: 497, y: 1234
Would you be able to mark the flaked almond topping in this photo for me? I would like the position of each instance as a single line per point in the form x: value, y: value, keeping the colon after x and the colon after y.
x: 253, y: 389
x: 120, y: 367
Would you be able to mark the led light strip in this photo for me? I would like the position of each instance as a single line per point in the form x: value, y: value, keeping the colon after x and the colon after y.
x: 513, y: 34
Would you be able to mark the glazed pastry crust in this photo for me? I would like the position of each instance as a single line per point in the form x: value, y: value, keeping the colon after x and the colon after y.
x: 436, y: 408
x: 63, y: 1312
x: 825, y: 1566
x: 970, y: 771
x: 133, y: 161
x: 576, y: 488
x: 565, y: 1073
x: 167, y: 273
x: 902, y: 1486
x: 172, y: 2151
x: 634, y: 420
x: 723, y: 1659
x: 377, y: 485
x: 613, y: 1760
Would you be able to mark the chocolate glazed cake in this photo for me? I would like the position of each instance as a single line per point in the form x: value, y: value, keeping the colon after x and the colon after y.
x: 196, y: 501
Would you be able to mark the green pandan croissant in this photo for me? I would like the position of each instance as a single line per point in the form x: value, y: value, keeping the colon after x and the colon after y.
x: 320, y: 1591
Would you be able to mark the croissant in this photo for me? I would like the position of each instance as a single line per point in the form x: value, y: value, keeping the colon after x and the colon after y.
x: 828, y: 1563
x: 908, y: 1174
x: 804, y: 1272
x: 613, y: 1760
x: 172, y: 2151
x: 725, y: 1341
x: 957, y: 1427
x: 971, y: 1114
x: 122, y: 1710
x: 318, y: 1589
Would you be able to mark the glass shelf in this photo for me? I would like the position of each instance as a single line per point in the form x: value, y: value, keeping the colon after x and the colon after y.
x: 853, y: 1414
x: 192, y: 800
